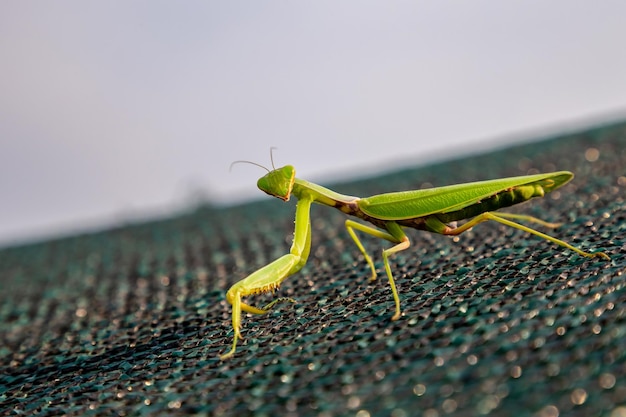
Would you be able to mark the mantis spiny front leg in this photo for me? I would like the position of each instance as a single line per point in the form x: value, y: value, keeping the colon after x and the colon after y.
x: 270, y: 276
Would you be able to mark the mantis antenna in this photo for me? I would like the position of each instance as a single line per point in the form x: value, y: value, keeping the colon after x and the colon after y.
x: 254, y: 163
x: 246, y: 162
x: 272, y: 156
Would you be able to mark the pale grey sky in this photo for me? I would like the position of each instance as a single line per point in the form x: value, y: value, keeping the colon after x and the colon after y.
x: 115, y: 110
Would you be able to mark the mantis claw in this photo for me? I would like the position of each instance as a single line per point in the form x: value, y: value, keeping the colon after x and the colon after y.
x: 601, y: 255
x: 271, y: 305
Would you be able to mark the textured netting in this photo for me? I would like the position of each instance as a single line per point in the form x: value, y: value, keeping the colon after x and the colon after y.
x: 131, y: 321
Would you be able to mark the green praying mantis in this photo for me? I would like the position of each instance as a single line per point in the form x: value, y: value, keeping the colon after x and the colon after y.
x: 433, y: 210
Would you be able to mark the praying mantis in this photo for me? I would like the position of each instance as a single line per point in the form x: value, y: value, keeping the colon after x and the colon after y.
x: 434, y: 210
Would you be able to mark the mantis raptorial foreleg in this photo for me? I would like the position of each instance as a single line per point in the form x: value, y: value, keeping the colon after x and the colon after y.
x: 270, y: 276
x: 395, y: 235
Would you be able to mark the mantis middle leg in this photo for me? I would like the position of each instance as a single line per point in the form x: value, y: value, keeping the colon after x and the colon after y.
x: 393, y: 234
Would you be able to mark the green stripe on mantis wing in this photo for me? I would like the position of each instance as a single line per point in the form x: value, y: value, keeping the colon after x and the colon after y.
x: 418, y: 203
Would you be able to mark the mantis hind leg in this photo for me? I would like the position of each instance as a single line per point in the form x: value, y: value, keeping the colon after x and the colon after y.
x: 394, y: 235
x: 527, y: 218
x: 503, y: 219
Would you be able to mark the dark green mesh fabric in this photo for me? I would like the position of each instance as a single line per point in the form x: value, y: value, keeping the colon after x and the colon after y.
x: 130, y: 321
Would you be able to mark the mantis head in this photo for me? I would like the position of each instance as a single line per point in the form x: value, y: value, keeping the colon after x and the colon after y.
x: 279, y: 182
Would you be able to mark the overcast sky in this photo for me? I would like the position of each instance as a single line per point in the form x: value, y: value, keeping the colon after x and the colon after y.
x: 113, y: 110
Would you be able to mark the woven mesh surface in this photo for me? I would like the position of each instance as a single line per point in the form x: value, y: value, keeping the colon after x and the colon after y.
x: 130, y: 321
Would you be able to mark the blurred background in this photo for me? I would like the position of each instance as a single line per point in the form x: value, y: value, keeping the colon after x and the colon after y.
x: 117, y: 111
